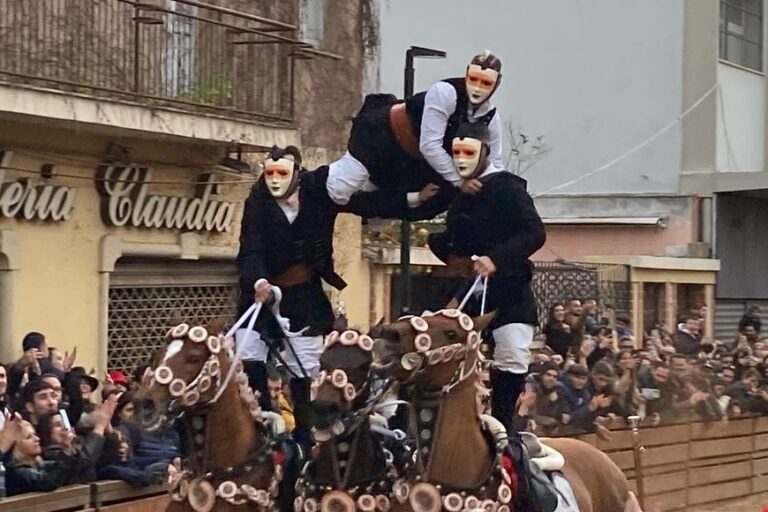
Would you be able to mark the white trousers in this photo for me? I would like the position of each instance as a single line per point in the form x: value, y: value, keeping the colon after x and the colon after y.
x: 513, y: 347
x: 307, y: 351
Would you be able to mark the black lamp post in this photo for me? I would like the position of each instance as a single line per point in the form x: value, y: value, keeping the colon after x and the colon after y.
x: 405, y: 227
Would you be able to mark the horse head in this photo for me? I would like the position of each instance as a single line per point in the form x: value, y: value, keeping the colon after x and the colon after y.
x: 342, y: 384
x: 186, y: 374
x: 430, y: 351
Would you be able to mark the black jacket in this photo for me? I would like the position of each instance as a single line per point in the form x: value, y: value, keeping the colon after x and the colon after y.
x: 270, y: 244
x: 21, y: 478
x: 500, y: 222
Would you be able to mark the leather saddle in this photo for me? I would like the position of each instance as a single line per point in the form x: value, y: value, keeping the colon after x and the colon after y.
x: 532, y: 459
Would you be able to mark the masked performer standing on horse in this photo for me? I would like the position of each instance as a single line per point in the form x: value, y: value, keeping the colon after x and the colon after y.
x: 500, y: 226
x: 406, y: 146
x: 287, y: 239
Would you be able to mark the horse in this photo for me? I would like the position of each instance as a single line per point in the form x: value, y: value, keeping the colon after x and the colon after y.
x: 437, y: 358
x: 234, y: 462
x: 351, y: 468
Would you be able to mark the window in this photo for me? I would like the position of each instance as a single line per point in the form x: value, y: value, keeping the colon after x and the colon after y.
x: 741, y: 32
x: 312, y: 27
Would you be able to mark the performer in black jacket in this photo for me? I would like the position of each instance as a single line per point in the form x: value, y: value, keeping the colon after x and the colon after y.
x: 498, y: 224
x: 287, y: 239
x: 406, y: 146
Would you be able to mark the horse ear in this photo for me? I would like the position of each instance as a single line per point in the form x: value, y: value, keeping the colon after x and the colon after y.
x: 375, y: 330
x: 481, y: 322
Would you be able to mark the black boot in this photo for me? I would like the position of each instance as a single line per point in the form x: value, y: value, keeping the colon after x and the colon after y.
x: 300, y: 395
x: 257, y: 379
x: 507, y: 387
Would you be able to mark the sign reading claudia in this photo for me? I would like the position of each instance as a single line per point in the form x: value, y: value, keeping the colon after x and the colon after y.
x: 126, y: 201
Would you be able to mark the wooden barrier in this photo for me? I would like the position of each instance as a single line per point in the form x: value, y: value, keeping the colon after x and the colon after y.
x: 71, y: 497
x: 106, y: 496
x: 683, y: 465
x: 697, y: 463
x: 116, y: 495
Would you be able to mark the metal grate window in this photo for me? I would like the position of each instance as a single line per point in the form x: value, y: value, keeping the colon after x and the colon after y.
x: 741, y: 32
x: 140, y: 314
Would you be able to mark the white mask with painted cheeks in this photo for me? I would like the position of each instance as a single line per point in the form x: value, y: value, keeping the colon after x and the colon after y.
x: 481, y: 83
x: 468, y: 156
x: 280, y: 176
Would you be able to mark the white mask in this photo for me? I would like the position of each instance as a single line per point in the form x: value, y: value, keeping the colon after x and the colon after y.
x: 481, y: 83
x: 469, y: 156
x: 280, y: 176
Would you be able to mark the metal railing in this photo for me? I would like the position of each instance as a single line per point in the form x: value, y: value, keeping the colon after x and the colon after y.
x: 174, y: 53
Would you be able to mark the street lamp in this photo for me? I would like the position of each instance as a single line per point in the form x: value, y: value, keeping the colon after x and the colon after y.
x: 405, y: 227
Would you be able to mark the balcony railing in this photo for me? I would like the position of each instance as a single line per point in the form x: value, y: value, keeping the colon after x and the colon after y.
x: 160, y: 53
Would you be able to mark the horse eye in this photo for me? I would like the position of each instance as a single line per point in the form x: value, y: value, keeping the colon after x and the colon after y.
x: 451, y: 335
x: 195, y: 359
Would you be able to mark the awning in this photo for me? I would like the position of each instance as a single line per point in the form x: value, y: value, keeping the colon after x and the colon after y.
x: 607, y: 221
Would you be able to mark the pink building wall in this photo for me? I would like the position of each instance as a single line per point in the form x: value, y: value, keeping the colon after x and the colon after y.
x: 574, y: 242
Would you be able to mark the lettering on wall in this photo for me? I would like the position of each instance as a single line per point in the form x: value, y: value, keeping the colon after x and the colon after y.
x: 32, y: 198
x: 126, y: 201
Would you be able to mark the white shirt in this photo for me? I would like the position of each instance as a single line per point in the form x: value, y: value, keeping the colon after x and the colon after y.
x: 491, y: 169
x: 348, y: 175
x: 290, y: 207
x: 439, y: 104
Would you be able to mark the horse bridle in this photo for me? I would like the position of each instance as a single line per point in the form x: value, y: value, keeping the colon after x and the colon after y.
x: 416, y: 363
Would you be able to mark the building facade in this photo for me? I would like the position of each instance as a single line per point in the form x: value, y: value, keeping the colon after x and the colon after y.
x: 130, y: 134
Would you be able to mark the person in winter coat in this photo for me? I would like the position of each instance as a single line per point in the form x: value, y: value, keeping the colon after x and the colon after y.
x: 27, y: 472
x: 688, y: 337
x: 558, y: 333
x: 580, y: 408
x: 79, y: 456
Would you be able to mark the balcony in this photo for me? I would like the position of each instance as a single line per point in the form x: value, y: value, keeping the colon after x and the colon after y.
x: 185, y: 56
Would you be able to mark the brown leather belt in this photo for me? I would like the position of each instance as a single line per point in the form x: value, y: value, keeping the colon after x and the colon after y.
x: 294, y: 276
x: 403, y: 130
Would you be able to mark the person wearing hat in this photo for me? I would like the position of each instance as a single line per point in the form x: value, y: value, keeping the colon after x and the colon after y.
x: 572, y: 389
x: 86, y: 384
x: 119, y: 379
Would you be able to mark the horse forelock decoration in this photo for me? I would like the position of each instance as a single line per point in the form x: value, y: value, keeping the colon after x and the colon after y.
x: 436, y: 357
x: 233, y: 462
x: 351, y: 470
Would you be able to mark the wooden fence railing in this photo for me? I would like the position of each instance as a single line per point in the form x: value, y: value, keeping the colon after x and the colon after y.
x: 103, y: 496
x: 694, y: 464
x: 683, y: 465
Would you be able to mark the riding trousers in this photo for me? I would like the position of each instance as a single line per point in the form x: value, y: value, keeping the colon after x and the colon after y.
x: 304, y: 351
x: 512, y: 352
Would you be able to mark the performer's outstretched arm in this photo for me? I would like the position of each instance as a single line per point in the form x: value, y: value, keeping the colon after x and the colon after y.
x: 439, y: 105
x: 494, y: 142
x: 250, y: 259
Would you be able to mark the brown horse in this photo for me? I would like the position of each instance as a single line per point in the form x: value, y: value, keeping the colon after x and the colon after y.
x: 232, y: 461
x: 350, y: 469
x: 437, y: 358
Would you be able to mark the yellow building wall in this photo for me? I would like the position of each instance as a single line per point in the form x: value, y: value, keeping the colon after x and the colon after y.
x: 57, y: 289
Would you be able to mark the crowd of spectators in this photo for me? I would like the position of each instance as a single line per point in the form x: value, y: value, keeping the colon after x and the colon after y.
x: 60, y: 425
x: 590, y: 372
